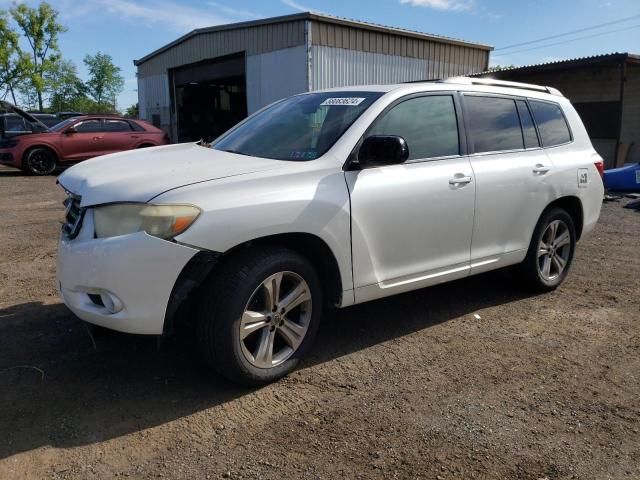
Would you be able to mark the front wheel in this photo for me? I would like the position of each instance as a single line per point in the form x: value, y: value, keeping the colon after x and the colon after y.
x: 259, y: 316
x: 551, y: 251
x: 39, y: 161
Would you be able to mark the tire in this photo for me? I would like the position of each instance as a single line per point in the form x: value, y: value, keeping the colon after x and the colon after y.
x: 236, y: 298
x: 39, y: 161
x: 551, y: 251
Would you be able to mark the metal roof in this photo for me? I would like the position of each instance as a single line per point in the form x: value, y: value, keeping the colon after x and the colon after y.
x: 569, y: 63
x: 320, y: 17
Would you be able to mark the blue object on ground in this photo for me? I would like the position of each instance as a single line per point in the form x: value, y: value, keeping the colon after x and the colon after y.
x: 623, y: 179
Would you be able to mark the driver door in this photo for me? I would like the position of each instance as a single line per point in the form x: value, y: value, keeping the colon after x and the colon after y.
x: 86, y: 141
x: 412, y: 223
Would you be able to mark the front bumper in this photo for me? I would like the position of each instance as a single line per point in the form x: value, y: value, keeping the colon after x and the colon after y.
x: 134, y: 274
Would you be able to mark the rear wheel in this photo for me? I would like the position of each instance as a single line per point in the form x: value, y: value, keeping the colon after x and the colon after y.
x: 551, y: 251
x: 39, y: 161
x: 260, y: 315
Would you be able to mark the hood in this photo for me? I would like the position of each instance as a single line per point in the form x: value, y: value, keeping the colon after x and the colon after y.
x: 29, y: 118
x: 140, y: 175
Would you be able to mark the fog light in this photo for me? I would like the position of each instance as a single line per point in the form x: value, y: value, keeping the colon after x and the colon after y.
x: 112, y: 303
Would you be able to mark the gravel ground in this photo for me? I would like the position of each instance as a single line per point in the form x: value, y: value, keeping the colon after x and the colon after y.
x: 473, y: 379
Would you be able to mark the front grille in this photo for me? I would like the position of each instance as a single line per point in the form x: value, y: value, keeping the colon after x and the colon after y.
x: 73, y: 216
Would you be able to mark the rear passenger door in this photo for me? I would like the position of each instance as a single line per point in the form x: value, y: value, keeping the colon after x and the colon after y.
x: 118, y: 135
x: 511, y: 171
x: 412, y: 223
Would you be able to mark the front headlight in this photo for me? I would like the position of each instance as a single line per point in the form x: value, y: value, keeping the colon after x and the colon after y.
x: 8, y: 143
x: 163, y: 221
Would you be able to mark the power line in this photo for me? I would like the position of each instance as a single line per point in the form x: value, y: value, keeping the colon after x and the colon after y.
x: 567, y: 41
x: 580, y: 30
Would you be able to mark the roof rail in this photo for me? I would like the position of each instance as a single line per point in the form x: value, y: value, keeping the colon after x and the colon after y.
x: 502, y: 83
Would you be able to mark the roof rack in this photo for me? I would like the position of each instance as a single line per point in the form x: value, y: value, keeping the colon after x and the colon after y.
x: 502, y: 83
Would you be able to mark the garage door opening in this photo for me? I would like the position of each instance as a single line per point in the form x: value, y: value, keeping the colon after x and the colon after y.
x: 210, y: 98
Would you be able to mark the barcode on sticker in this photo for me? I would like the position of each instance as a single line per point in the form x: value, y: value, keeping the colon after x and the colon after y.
x: 348, y: 101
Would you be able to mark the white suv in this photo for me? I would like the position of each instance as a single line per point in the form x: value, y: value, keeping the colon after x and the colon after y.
x: 330, y: 198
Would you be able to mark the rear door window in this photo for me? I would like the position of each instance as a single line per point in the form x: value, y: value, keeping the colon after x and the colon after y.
x: 116, y: 126
x: 551, y: 123
x: 494, y: 123
x: 528, y: 128
x: 428, y: 125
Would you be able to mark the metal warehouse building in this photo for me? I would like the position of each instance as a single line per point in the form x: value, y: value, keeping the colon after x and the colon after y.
x: 605, y: 90
x: 207, y: 80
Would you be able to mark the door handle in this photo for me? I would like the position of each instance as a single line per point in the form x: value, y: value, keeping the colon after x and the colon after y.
x: 97, y: 138
x: 459, y: 179
x: 541, y: 169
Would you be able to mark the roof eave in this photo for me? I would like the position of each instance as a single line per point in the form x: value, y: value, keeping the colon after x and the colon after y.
x: 311, y: 16
x: 567, y: 64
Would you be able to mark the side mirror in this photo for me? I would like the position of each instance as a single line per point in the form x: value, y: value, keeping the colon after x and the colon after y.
x: 70, y: 130
x: 380, y: 150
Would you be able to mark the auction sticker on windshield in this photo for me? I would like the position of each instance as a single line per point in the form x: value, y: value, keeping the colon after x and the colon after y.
x: 348, y: 101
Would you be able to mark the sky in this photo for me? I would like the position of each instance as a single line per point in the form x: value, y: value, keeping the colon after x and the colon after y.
x: 130, y: 29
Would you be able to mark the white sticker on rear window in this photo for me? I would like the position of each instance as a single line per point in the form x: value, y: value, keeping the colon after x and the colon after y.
x: 347, y: 101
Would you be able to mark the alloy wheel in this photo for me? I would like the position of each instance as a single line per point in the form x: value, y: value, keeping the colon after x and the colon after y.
x: 275, y: 320
x: 41, y: 162
x: 554, y: 250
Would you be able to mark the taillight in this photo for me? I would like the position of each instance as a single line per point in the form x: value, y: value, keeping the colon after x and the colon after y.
x: 599, y: 163
x: 600, y: 166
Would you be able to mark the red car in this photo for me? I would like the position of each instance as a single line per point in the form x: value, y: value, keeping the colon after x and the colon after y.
x: 74, y: 140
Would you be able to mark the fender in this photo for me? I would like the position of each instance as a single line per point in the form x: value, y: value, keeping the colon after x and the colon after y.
x: 46, y: 144
x: 302, y: 198
x: 20, y: 150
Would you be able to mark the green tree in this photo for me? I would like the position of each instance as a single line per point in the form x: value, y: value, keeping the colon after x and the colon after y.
x: 497, y: 68
x: 13, y: 62
x: 41, y: 29
x: 133, y: 111
x: 64, y: 86
x: 105, y: 81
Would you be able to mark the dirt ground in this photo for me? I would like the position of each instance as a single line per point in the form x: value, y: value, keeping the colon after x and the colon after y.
x: 538, y: 387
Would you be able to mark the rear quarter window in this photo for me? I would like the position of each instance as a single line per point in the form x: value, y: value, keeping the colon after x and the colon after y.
x: 551, y: 123
x: 136, y: 126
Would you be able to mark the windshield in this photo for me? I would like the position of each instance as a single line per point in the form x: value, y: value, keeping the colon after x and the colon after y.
x: 298, y: 128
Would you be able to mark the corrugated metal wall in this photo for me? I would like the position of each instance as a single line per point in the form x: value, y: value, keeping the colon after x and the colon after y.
x: 154, y: 99
x: 252, y: 40
x: 338, y: 67
x: 279, y: 63
x: 275, y: 75
x: 586, y: 84
x: 631, y: 113
x: 467, y: 58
